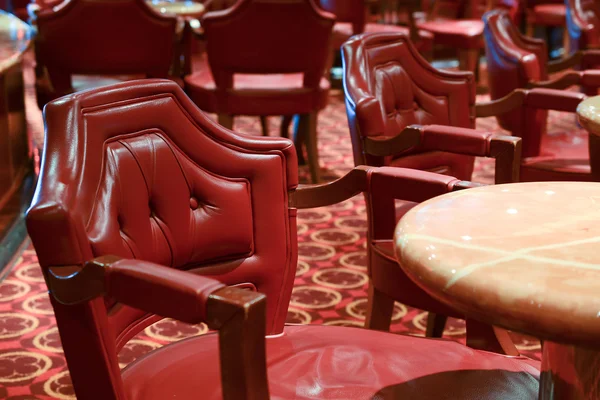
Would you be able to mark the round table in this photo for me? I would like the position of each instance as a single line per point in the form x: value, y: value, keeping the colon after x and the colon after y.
x: 523, y: 256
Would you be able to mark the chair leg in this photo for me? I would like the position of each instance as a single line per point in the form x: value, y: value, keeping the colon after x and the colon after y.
x: 286, y: 121
x: 436, y: 323
x: 530, y: 29
x: 226, y: 120
x: 379, y: 311
x: 306, y: 132
x: 299, y: 139
x: 264, y: 124
x: 468, y: 60
x: 486, y: 337
x: 566, y: 43
x: 312, y: 149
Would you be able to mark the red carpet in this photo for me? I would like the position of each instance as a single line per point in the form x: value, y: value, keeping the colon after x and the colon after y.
x: 330, y: 287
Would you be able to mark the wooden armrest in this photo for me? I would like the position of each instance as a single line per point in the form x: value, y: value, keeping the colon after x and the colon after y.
x: 570, y: 61
x: 238, y: 314
x: 588, y: 79
x: 540, y: 98
x: 505, y: 149
x: 410, y: 184
x: 492, y: 108
x: 349, y: 185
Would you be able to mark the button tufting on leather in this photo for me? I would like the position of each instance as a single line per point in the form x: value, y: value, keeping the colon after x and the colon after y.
x: 193, y: 203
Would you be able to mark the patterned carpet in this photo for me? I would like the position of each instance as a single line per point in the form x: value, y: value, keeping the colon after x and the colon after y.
x: 330, y: 286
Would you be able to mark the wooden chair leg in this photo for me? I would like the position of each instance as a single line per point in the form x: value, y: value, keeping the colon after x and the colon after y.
x: 286, y: 121
x: 566, y: 43
x: 530, y: 29
x: 312, y: 149
x: 226, y: 120
x: 264, y: 124
x: 486, y: 337
x: 468, y: 60
x: 299, y: 138
x: 436, y: 323
x: 379, y: 310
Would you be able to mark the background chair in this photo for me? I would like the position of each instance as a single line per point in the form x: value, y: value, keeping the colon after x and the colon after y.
x: 221, y: 204
x: 583, y: 24
x: 351, y: 19
x: 516, y: 61
x: 267, y: 58
x: 74, y: 39
x: 549, y: 14
x: 389, y: 87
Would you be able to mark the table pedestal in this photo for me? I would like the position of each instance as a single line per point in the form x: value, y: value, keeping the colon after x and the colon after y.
x: 569, y: 373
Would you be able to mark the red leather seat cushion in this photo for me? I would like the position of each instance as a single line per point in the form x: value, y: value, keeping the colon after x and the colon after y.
x: 328, y: 362
x: 342, y: 31
x: 272, y: 94
x: 462, y: 33
x: 549, y: 14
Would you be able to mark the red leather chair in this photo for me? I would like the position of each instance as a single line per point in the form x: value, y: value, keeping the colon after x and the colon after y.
x: 516, y: 61
x: 463, y: 34
x: 583, y: 24
x: 389, y: 87
x: 121, y: 241
x: 351, y: 19
x: 547, y: 13
x: 267, y: 58
x: 118, y: 39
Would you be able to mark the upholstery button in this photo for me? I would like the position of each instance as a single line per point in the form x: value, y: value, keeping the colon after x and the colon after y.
x: 193, y: 203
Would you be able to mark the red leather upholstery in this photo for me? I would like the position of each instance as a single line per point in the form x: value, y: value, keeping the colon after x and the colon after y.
x: 389, y: 87
x: 327, y: 362
x: 137, y: 170
x: 351, y: 19
x: 73, y: 39
x: 583, y: 24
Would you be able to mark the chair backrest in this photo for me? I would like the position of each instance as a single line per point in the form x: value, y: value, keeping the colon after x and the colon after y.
x: 388, y: 86
x: 351, y: 11
x: 583, y: 24
x: 138, y: 171
x: 104, y: 37
x: 513, y: 60
x: 268, y: 37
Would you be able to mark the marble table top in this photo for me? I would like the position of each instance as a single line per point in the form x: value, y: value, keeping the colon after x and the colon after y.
x: 183, y: 8
x: 15, y: 38
x: 588, y: 112
x: 523, y: 256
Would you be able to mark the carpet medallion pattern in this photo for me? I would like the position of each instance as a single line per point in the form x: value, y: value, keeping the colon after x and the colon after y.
x: 330, y: 286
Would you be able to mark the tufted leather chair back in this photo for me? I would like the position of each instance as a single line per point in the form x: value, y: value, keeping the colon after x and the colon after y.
x: 104, y: 37
x: 514, y: 60
x: 583, y: 24
x: 351, y: 11
x: 138, y: 171
x: 268, y: 37
x: 389, y: 86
